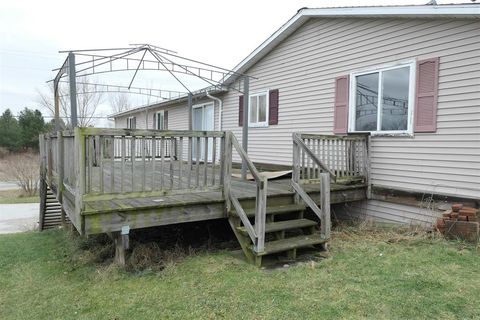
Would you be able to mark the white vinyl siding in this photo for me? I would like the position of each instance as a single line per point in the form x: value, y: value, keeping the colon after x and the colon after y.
x: 387, y: 212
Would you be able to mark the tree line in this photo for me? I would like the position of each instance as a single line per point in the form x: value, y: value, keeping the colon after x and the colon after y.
x: 22, y: 134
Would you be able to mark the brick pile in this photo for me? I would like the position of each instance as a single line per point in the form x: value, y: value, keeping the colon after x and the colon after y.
x: 460, y: 222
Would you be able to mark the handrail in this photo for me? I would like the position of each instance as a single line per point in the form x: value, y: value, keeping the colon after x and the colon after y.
x: 297, y: 140
x: 257, y: 232
x: 322, y: 212
x: 253, y: 170
x: 149, y: 132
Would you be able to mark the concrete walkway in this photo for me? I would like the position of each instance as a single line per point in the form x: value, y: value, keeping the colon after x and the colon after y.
x: 18, y: 217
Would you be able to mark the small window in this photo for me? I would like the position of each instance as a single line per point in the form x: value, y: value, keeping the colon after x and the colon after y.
x: 160, y: 120
x: 131, y: 123
x: 382, y: 100
x: 258, y: 110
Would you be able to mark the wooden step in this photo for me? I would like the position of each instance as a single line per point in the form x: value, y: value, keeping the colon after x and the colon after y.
x: 283, y: 225
x: 250, y: 212
x: 290, y: 243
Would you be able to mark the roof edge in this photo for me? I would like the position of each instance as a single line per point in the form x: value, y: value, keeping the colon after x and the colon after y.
x: 471, y: 10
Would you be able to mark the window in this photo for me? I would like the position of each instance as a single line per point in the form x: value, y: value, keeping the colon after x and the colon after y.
x: 382, y: 100
x: 160, y: 120
x: 131, y: 123
x: 258, y: 110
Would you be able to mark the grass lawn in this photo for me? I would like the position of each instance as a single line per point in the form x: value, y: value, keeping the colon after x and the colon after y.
x: 374, y: 274
x: 15, y: 196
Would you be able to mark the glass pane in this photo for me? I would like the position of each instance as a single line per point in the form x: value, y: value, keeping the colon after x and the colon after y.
x: 160, y: 121
x: 366, y: 102
x: 209, y: 119
x: 197, y: 122
x: 253, y: 110
x: 395, y: 84
x: 262, y: 108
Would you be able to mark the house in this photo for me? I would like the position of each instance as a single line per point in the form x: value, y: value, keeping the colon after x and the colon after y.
x: 409, y: 76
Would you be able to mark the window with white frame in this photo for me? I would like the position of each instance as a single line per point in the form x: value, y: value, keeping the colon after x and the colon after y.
x: 382, y: 100
x: 160, y: 120
x: 131, y: 123
x: 258, y: 110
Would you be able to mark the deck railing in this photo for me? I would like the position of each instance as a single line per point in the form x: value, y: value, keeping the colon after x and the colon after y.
x: 343, y: 157
x: 93, y: 161
x: 150, y: 160
x: 320, y: 158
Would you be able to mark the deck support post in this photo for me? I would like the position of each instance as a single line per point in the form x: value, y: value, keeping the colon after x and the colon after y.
x: 122, y: 243
x: 367, y: 166
x: 246, y: 101
x: 42, y: 183
x: 61, y: 174
x: 325, y: 205
x: 296, y: 167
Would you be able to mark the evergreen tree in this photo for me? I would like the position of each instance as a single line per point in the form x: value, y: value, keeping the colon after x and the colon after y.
x: 10, y: 133
x: 31, y: 125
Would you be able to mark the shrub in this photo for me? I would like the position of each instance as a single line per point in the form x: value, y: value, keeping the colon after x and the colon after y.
x: 24, y: 169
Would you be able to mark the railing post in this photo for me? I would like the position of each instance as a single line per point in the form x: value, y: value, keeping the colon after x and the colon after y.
x: 61, y: 174
x: 227, y: 169
x: 43, y: 183
x: 260, y: 214
x: 80, y: 173
x: 368, y: 142
x: 296, y: 165
x: 325, y: 205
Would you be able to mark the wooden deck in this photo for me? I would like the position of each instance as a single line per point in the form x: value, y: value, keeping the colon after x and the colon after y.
x: 109, y: 212
x: 115, y: 180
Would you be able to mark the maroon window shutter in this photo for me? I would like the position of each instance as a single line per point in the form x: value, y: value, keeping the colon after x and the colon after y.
x: 165, y: 120
x: 127, y: 124
x: 426, y: 95
x: 154, y: 124
x: 340, y: 114
x: 273, y: 107
x: 240, y: 111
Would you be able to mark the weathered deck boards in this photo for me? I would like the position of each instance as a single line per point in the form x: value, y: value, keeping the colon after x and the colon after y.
x: 109, y: 212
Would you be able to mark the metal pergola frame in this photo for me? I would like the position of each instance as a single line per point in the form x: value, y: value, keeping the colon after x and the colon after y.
x: 164, y: 60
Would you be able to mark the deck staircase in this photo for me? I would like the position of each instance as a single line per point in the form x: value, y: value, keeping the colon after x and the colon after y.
x: 50, y: 211
x: 286, y: 230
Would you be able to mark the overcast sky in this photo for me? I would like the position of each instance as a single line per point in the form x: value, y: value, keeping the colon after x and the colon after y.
x: 218, y: 32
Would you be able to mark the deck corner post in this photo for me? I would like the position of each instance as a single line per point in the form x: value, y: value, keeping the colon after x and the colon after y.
x: 80, y: 173
x: 326, y: 223
x: 368, y: 148
x: 260, y: 214
x: 60, y: 157
x: 296, y: 166
x: 227, y: 171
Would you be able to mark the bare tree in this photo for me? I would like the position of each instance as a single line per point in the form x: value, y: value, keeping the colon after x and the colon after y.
x: 119, y: 101
x: 46, y: 100
x: 88, y: 100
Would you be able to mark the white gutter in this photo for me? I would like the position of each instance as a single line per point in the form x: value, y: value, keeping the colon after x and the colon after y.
x: 220, y: 109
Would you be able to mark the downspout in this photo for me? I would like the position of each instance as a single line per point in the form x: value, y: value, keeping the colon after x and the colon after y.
x: 220, y: 109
